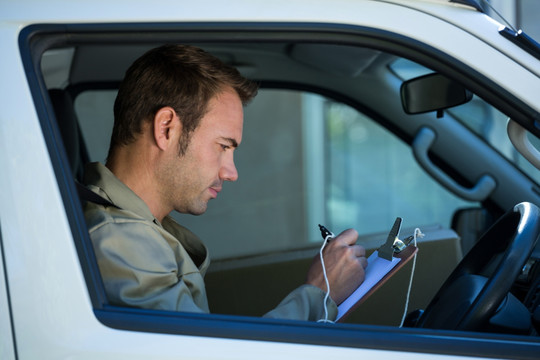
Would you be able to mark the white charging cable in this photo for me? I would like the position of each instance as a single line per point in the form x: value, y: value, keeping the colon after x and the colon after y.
x: 325, y: 320
x: 417, y: 233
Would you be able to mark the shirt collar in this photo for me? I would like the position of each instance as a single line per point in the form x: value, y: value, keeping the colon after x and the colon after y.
x: 98, y: 178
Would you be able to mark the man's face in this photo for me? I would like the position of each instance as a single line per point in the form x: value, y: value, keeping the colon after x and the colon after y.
x: 189, y: 181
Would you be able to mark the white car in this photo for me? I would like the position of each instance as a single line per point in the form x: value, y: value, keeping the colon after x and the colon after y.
x: 368, y: 111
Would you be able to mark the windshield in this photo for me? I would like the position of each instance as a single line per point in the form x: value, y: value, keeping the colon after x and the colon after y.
x: 480, y: 117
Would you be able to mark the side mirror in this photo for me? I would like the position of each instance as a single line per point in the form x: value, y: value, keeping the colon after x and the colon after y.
x: 432, y: 92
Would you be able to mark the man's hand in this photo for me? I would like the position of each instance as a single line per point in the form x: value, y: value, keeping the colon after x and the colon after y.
x: 344, y: 262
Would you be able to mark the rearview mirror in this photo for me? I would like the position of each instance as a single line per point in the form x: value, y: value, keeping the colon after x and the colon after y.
x: 432, y: 92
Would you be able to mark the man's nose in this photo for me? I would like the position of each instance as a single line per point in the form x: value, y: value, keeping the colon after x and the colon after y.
x: 228, y: 171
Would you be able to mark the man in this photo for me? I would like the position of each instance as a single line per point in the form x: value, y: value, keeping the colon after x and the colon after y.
x: 178, y: 119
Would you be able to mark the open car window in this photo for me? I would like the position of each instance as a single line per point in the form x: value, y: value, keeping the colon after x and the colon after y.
x: 311, y: 160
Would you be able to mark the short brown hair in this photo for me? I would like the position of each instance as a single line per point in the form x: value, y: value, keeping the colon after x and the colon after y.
x: 183, y: 77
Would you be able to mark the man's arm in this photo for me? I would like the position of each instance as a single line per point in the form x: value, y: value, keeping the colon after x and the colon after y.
x: 345, y: 263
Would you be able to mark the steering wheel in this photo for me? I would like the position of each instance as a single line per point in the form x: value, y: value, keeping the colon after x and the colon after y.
x: 468, y: 299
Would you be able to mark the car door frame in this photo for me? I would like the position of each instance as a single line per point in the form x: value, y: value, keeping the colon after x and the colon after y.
x: 36, y: 38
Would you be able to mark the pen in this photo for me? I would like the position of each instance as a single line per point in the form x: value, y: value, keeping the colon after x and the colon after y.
x: 325, y: 232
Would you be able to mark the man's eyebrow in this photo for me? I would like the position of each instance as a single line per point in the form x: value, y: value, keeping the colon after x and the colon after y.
x: 231, y: 141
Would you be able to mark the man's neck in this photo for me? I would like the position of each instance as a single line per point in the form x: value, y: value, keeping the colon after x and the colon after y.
x: 130, y: 166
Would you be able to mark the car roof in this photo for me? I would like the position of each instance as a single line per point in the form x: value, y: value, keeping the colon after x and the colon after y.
x: 396, y: 12
x: 209, y: 10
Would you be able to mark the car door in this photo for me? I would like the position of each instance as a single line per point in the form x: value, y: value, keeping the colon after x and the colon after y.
x: 7, y: 343
x: 347, y: 136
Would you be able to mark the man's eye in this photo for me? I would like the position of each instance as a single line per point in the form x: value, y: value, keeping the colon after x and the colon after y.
x: 225, y: 147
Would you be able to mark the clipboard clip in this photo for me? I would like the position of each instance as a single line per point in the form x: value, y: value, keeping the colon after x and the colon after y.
x: 400, y: 245
x: 393, y: 244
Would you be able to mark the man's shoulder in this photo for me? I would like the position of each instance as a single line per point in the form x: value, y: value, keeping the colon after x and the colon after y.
x: 98, y: 215
x: 111, y: 192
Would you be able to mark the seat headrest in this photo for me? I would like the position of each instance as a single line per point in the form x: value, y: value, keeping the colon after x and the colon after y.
x: 69, y: 128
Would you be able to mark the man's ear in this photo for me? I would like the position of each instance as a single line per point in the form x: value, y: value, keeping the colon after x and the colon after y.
x: 167, y: 127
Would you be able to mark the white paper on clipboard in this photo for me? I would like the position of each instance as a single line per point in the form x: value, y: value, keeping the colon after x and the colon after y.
x: 376, y: 270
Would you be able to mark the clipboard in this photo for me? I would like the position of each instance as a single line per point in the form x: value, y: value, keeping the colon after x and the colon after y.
x: 379, y: 270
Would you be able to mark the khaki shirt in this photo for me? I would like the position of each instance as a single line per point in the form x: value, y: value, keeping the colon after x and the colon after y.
x: 153, y: 265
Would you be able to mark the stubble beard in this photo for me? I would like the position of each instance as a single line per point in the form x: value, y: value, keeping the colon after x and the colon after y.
x: 180, y: 186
